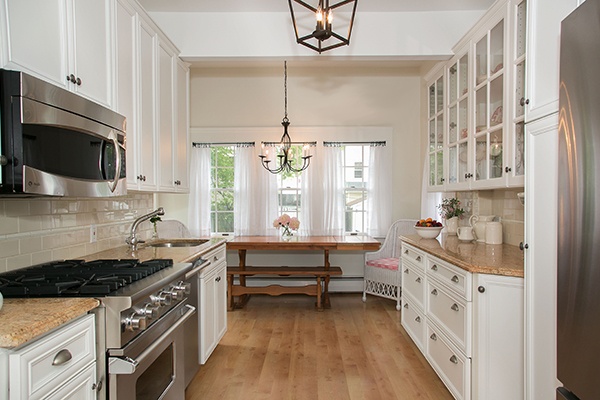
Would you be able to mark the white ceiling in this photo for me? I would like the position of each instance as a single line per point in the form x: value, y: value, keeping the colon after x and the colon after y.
x: 282, y: 5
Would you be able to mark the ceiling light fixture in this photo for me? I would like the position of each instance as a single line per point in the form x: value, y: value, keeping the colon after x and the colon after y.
x: 286, y: 156
x: 323, y: 32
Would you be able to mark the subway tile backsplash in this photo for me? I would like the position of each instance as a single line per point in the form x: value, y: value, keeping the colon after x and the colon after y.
x: 37, y: 230
x: 504, y: 204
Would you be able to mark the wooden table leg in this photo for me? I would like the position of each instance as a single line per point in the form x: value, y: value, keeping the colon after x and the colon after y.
x: 326, y: 302
x: 245, y: 297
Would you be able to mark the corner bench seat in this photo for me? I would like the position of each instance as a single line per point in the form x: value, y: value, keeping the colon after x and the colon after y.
x: 386, y: 263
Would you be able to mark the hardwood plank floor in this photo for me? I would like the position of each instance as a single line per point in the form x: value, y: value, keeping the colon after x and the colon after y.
x: 282, y: 348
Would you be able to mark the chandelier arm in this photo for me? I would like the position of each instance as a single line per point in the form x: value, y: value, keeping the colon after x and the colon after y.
x: 342, y: 3
x: 303, y: 4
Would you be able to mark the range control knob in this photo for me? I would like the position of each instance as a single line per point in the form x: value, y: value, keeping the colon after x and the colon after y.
x: 177, y: 293
x: 185, y: 286
x: 135, y: 322
x: 150, y: 311
x: 163, y: 298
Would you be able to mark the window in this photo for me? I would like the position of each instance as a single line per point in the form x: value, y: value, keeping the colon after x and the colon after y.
x: 289, y: 192
x: 356, y: 158
x: 221, y: 189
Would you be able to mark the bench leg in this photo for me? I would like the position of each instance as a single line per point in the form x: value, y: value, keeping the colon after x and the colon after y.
x: 319, y: 290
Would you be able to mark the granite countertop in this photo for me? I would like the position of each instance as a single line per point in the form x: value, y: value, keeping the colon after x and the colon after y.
x: 496, y: 259
x: 22, y: 320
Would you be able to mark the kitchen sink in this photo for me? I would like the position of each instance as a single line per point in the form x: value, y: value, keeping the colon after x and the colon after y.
x: 177, y: 242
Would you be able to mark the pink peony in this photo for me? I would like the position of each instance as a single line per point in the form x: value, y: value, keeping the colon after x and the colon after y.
x: 294, y: 223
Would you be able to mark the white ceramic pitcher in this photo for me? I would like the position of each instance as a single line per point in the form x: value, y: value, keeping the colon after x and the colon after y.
x: 478, y: 222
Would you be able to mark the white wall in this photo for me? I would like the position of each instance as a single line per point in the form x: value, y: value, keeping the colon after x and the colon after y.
x: 328, y: 97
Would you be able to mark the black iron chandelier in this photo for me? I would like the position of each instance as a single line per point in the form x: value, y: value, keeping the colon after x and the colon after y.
x: 286, y: 156
x: 323, y: 38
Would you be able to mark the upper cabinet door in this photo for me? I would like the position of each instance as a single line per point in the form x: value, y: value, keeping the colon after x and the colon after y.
x: 436, y: 133
x: 36, y: 40
x: 65, y: 42
x: 543, y: 42
x: 91, y: 49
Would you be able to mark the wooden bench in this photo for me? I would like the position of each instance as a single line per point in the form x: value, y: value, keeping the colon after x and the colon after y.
x: 242, y: 291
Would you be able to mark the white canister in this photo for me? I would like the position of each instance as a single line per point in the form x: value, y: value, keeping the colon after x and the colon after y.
x: 493, y: 232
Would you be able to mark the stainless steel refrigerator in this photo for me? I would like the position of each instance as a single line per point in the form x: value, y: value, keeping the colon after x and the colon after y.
x: 578, y: 301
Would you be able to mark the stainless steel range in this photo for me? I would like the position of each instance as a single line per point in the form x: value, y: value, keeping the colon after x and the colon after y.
x: 139, y: 323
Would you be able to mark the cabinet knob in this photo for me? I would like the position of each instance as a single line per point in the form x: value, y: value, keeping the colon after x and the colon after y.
x: 78, y: 81
x: 406, y: 305
x: 454, y: 279
x: 468, y: 175
x: 523, y: 101
x: 418, y: 280
x: 481, y: 289
x: 433, y: 336
x: 434, y: 267
x: 406, y: 271
x: 97, y: 386
x: 434, y: 292
x: 454, y: 360
x: 218, y: 279
x: 523, y: 246
x: 405, y: 251
x: 418, y: 319
x: 507, y: 169
x: 418, y: 258
x: 454, y: 307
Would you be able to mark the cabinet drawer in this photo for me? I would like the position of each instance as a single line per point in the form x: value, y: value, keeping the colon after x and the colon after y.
x: 52, y: 360
x: 451, y: 313
x: 216, y: 255
x: 451, y: 276
x: 79, y: 388
x: 415, y: 256
x: 451, y: 365
x: 413, y: 283
x: 413, y: 322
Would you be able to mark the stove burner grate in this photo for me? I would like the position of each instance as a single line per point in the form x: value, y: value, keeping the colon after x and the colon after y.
x: 77, y: 278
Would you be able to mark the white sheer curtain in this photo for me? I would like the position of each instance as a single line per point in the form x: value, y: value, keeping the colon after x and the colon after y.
x: 379, y: 196
x: 323, y: 194
x: 255, y: 194
x: 199, y: 199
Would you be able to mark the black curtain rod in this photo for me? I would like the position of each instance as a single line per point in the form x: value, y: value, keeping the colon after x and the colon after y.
x: 278, y: 143
x: 376, y: 143
x: 208, y: 144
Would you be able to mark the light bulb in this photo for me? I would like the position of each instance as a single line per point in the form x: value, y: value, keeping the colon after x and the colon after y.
x: 319, y: 14
x: 329, y: 17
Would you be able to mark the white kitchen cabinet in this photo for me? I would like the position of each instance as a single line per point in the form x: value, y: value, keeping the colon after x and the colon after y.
x: 435, y: 119
x: 543, y: 45
x: 541, y: 220
x: 166, y: 124
x: 182, y: 138
x: 213, y: 303
x: 61, y: 364
x: 65, y: 42
x: 470, y: 327
x: 458, y: 110
x: 498, y: 346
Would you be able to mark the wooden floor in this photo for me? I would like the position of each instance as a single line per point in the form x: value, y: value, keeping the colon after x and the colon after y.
x: 282, y: 348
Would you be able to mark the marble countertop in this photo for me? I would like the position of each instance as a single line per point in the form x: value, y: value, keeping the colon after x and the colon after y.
x: 22, y: 320
x: 497, y: 259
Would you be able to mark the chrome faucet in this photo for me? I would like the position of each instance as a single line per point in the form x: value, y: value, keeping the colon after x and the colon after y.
x: 133, y: 240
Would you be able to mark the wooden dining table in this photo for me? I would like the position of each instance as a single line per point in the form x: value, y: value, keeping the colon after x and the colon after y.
x: 321, y: 273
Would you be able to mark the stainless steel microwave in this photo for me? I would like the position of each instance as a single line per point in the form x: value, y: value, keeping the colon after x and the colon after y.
x: 56, y: 143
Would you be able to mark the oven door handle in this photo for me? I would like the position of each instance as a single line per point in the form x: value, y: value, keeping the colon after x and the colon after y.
x: 127, y: 366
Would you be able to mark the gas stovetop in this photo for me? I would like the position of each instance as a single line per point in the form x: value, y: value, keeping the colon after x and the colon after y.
x: 77, y: 278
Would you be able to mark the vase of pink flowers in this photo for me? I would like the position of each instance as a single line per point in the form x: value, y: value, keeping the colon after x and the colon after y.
x: 287, y: 224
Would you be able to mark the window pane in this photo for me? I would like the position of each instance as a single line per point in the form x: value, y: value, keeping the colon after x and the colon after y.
x: 224, y: 222
x: 223, y: 200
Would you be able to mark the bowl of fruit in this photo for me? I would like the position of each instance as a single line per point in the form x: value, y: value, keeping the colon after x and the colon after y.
x: 428, y: 228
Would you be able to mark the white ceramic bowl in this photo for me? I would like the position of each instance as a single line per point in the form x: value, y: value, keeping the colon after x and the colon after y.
x: 428, y: 232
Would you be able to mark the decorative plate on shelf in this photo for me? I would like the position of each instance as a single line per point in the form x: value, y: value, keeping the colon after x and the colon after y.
x: 496, y: 116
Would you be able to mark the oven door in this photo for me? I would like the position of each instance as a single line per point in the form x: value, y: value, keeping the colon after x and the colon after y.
x: 151, y: 366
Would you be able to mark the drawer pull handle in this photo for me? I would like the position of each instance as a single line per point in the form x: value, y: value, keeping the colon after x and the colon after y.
x: 454, y: 307
x: 418, y: 319
x: 433, y: 337
x: 454, y: 279
x: 454, y: 360
x: 62, y: 357
x: 406, y: 305
x: 218, y: 279
x: 434, y: 267
x: 434, y: 292
x: 406, y: 271
x: 418, y: 280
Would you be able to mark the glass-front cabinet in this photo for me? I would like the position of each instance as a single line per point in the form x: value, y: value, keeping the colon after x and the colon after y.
x: 457, y: 141
x: 515, y: 165
x: 489, y: 106
x: 436, y: 133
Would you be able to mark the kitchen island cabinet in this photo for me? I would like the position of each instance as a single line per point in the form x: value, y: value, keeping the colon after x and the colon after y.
x: 465, y: 314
